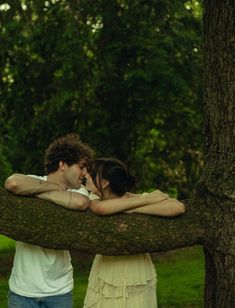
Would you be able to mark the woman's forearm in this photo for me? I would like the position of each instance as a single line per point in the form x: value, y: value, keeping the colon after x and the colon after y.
x: 112, y: 206
x: 168, y: 208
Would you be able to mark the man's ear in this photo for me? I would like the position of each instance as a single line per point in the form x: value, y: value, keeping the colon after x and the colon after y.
x: 61, y: 165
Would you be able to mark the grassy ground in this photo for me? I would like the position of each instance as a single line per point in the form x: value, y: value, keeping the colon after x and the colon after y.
x: 180, y: 276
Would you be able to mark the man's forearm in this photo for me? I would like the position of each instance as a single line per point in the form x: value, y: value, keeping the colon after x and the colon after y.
x: 68, y: 199
x: 21, y: 184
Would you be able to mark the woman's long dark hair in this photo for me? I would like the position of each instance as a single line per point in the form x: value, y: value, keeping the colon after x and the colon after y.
x: 113, y: 170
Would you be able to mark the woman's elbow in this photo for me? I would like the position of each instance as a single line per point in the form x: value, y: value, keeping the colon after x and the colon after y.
x: 174, y: 208
x: 98, y: 210
x: 182, y: 208
x: 179, y: 208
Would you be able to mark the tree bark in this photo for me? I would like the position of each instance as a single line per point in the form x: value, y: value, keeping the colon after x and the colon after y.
x: 218, y: 179
x: 49, y: 225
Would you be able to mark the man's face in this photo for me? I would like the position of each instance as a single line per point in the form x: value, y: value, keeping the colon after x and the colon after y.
x: 74, y: 174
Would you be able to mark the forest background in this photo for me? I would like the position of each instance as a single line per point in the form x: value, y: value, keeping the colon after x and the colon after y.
x: 126, y: 76
x: 123, y: 74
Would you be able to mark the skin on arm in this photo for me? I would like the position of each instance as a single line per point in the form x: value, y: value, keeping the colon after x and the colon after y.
x: 68, y: 199
x: 112, y: 206
x: 168, y: 208
x: 21, y: 184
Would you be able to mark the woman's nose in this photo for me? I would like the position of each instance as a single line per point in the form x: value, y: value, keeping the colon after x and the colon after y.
x: 87, y: 176
x: 84, y: 171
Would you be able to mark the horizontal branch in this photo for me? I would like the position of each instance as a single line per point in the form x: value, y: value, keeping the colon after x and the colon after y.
x: 45, y: 224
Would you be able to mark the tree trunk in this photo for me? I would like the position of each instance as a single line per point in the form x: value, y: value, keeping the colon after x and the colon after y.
x: 218, y: 179
x: 48, y: 225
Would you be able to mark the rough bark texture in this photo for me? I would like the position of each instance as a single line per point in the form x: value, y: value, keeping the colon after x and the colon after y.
x: 48, y: 225
x: 217, y: 184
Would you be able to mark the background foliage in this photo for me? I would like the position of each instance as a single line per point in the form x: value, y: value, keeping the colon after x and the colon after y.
x: 124, y: 74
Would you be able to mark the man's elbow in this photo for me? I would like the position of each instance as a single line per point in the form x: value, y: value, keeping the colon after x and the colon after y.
x: 81, y: 203
x: 11, y: 184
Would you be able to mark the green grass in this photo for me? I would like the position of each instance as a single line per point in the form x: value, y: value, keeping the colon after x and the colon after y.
x: 180, y: 276
x: 6, y: 243
x: 3, y: 292
x: 7, y: 246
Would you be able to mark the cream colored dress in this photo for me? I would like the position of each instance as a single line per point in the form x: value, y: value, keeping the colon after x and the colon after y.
x: 122, y: 282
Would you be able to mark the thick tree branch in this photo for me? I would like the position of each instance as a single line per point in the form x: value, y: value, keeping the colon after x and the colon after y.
x: 48, y: 225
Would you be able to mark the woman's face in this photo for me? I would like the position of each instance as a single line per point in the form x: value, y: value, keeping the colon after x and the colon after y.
x: 90, y: 186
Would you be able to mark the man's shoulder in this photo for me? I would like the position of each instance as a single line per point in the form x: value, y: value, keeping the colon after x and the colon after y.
x: 40, y: 177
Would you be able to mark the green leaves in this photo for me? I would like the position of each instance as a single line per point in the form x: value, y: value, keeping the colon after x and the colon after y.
x: 125, y: 75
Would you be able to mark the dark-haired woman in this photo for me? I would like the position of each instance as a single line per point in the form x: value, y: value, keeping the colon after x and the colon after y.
x: 123, y: 281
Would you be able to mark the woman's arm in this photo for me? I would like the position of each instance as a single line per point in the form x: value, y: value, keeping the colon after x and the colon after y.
x: 68, y: 199
x: 168, y: 208
x: 112, y: 206
x: 21, y: 184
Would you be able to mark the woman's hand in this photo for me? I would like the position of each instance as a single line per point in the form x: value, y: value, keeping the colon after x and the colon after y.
x: 156, y: 196
x: 129, y: 195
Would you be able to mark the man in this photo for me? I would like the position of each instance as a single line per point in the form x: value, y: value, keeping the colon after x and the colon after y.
x: 44, y: 277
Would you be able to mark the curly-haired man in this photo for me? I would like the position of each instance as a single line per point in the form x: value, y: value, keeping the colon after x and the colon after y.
x: 44, y: 277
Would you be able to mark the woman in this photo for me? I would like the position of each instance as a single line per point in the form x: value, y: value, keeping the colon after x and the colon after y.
x: 123, y: 281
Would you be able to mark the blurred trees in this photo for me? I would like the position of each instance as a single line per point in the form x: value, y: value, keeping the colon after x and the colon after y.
x: 124, y: 74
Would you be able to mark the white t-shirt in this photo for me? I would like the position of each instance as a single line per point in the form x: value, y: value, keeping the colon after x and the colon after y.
x: 40, y: 272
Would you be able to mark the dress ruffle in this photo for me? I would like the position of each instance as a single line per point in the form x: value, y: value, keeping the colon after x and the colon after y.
x: 122, y: 282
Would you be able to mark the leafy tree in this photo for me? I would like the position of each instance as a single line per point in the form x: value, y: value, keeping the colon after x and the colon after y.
x: 124, y: 74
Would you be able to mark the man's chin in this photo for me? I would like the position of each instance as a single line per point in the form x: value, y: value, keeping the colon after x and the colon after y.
x: 75, y: 186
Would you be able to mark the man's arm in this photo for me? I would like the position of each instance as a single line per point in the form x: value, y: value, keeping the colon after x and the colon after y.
x: 21, y: 184
x: 169, y: 208
x: 112, y: 206
x: 68, y: 199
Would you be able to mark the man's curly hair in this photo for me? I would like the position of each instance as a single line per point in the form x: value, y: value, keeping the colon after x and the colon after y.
x: 69, y: 149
